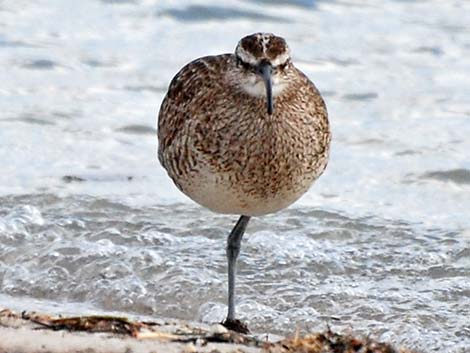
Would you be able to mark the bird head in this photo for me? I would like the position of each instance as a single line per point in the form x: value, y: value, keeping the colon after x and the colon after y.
x: 263, y: 59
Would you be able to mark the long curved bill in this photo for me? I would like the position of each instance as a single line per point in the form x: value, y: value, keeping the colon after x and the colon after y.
x: 266, y: 72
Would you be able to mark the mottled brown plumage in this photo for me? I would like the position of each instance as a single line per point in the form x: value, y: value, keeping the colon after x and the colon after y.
x: 221, y: 147
x: 244, y: 133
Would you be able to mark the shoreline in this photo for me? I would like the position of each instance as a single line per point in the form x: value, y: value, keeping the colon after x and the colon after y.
x: 29, y: 332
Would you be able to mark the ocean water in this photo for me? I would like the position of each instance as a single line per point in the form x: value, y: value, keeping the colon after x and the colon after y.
x: 90, y: 222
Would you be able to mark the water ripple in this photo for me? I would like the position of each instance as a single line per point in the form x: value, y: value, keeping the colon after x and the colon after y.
x: 200, y: 13
x: 458, y: 176
x: 303, y: 265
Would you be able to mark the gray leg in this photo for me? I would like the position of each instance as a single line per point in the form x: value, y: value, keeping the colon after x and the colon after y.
x: 233, y: 249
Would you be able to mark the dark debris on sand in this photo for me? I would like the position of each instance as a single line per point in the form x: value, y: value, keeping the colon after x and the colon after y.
x: 93, y: 323
x: 330, y: 342
x: 236, y: 326
x: 185, y: 333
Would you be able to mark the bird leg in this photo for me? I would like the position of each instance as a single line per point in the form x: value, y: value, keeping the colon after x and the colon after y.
x: 233, y: 249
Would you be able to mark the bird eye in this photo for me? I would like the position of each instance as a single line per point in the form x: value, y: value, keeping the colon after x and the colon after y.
x: 283, y: 66
x: 243, y: 64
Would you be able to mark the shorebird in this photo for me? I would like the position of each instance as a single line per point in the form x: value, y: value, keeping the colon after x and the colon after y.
x: 245, y: 134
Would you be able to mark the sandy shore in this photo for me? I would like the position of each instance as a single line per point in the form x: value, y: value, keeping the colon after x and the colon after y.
x: 41, y: 333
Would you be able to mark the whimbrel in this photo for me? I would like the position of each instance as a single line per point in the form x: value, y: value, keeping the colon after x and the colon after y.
x: 244, y: 133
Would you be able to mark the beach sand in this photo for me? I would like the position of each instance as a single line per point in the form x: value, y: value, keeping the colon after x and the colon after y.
x: 29, y: 332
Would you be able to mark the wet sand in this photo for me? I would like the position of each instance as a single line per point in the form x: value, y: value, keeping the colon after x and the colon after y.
x: 34, y: 332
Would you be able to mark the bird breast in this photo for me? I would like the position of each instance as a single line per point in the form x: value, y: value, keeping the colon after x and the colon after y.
x: 223, y: 150
x: 251, y: 166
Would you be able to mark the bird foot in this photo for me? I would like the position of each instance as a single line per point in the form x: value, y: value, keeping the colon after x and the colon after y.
x: 235, y: 325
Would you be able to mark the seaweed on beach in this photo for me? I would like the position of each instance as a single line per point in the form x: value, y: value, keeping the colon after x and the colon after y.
x: 136, y: 329
x: 330, y: 342
x: 92, y: 323
x: 325, y: 342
